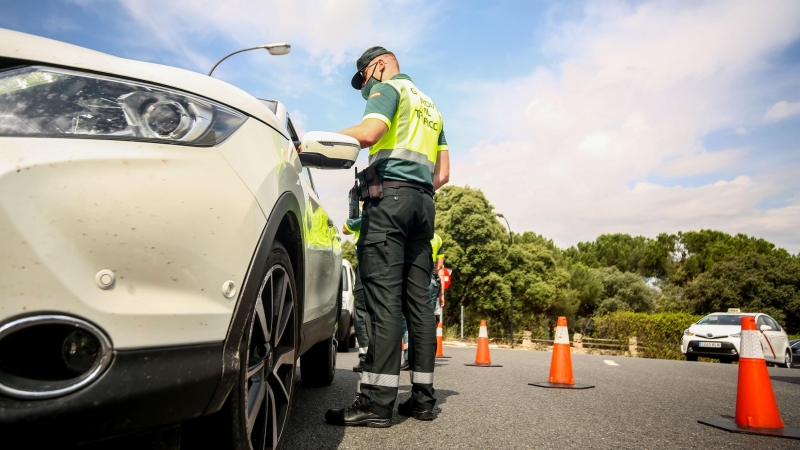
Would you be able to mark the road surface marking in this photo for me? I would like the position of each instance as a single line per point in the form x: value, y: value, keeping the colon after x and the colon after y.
x: 610, y: 362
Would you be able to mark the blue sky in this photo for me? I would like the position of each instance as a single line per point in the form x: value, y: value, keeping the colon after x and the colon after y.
x: 574, y: 118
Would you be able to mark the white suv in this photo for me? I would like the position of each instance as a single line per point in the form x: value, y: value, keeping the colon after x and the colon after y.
x: 717, y: 336
x: 164, y: 253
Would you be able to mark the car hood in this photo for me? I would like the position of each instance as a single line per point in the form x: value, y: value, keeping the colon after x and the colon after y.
x: 37, y: 49
x: 716, y: 331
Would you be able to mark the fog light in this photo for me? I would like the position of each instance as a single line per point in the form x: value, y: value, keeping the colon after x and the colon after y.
x: 691, y: 349
x: 50, y: 355
x: 80, y: 351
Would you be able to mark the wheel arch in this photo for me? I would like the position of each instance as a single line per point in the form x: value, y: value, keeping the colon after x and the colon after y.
x: 284, y: 226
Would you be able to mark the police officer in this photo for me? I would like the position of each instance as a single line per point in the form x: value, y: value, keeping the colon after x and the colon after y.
x: 353, y: 226
x: 408, y: 151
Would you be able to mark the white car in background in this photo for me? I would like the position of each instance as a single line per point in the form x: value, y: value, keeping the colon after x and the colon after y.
x: 165, y: 256
x: 347, y: 334
x: 717, y: 336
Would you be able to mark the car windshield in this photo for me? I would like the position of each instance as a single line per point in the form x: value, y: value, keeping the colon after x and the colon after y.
x: 721, y: 319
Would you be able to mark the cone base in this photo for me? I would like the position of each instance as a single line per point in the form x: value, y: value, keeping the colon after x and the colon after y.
x: 733, y: 427
x: 483, y: 365
x: 547, y: 384
x: 440, y: 357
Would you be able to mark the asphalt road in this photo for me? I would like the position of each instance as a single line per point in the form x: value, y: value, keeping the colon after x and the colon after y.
x: 638, y: 403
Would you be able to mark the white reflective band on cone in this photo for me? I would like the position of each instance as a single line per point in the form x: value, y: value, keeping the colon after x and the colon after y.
x: 438, y: 331
x: 562, y: 336
x: 362, y: 350
x: 750, y: 345
x: 483, y: 333
x: 422, y: 377
x: 380, y: 379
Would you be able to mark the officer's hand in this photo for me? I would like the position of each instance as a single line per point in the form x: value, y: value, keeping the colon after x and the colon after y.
x: 345, y: 230
x: 441, y: 300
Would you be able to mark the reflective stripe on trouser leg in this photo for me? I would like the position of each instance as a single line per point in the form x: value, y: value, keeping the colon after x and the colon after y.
x: 394, y: 256
x: 380, y: 379
x: 421, y: 377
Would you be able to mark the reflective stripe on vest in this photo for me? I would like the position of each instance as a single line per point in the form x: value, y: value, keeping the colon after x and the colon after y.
x: 414, y: 131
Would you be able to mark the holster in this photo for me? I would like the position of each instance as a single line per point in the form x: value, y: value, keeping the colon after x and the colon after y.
x: 370, y: 183
x: 352, y: 199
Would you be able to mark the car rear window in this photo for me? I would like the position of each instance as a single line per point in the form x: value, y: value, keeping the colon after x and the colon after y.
x: 721, y: 319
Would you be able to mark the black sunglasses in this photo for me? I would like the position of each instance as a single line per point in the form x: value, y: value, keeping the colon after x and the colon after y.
x: 363, y: 70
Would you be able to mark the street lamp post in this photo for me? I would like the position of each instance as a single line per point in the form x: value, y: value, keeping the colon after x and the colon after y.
x: 279, y: 48
x: 511, y: 293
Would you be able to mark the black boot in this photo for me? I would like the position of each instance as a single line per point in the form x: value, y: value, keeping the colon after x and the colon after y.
x: 359, y: 368
x: 408, y: 409
x: 356, y: 415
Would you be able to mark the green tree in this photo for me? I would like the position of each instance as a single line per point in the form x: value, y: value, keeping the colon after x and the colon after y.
x: 474, y: 244
x: 349, y: 253
x: 700, y: 250
x: 585, y: 289
x: 624, y: 291
x: 754, y: 283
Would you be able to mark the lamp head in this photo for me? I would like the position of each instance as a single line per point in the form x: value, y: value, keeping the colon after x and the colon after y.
x: 279, y: 48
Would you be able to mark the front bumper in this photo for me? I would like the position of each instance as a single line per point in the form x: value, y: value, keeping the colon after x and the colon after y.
x: 142, y: 389
x: 727, y: 349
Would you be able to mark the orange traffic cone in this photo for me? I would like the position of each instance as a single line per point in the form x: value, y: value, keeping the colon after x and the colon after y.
x: 756, y: 409
x: 439, y: 339
x: 561, y: 363
x: 482, y: 358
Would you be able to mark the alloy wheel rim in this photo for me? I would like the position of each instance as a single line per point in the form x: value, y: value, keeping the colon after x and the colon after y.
x: 270, y: 360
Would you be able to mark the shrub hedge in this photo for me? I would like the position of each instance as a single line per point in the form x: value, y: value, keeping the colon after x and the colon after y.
x: 658, y: 335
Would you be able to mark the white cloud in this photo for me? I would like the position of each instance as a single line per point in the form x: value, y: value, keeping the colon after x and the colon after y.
x: 782, y: 110
x: 705, y: 162
x: 331, y: 33
x: 636, y: 90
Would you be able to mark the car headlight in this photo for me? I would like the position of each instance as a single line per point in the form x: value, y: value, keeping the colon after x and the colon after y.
x: 49, y: 102
x: 687, y: 333
x: 736, y: 335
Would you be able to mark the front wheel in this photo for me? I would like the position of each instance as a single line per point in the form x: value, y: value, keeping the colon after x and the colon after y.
x: 691, y: 358
x: 258, y: 406
x: 787, y: 360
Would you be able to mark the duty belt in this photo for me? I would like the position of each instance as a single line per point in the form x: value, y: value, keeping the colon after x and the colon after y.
x: 411, y: 184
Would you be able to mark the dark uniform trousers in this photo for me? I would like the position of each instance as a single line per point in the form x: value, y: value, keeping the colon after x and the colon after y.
x: 394, y: 254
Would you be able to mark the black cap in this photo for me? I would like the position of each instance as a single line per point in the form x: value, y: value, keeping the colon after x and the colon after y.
x: 369, y: 55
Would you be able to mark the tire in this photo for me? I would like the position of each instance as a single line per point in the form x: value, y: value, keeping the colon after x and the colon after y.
x: 256, y: 413
x: 726, y: 361
x: 787, y: 360
x: 691, y: 358
x: 318, y: 364
x: 345, y: 320
x: 352, y: 340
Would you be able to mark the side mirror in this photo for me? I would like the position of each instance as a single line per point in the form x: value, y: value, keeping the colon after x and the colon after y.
x: 324, y: 150
x: 765, y: 328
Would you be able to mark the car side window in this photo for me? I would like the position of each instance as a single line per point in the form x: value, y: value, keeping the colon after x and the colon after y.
x: 762, y: 320
x: 345, y: 279
x: 292, y: 132
x: 307, y: 175
x: 773, y: 323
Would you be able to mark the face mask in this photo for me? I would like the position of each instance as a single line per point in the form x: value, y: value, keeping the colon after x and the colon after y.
x: 368, y: 87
